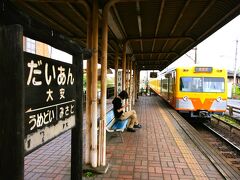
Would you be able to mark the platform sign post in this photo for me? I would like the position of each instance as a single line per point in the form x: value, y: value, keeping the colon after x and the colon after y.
x: 119, y: 81
x: 12, y: 103
x: 77, y: 137
x: 50, y: 89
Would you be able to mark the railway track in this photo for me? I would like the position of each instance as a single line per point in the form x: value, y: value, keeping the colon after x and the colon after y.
x: 221, y: 140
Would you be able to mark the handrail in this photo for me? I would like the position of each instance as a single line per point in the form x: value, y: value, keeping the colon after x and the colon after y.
x: 233, y: 109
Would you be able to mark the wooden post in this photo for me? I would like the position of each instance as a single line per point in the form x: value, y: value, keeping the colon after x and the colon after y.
x: 12, y: 103
x: 102, y: 129
x: 138, y: 80
x: 134, y: 83
x: 76, y: 146
x: 126, y: 101
x: 130, y: 85
x: 127, y: 75
x: 124, y: 66
x: 94, y: 86
x: 88, y: 94
x: 116, y: 72
x: 230, y: 111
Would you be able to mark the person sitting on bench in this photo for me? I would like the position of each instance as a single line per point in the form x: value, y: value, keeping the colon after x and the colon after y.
x: 119, y: 113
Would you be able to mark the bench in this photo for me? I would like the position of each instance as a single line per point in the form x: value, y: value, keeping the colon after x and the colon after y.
x: 114, y: 125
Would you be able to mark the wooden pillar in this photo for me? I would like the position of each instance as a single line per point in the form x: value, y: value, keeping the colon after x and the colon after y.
x: 77, y: 138
x: 138, y: 80
x: 134, y: 83
x: 93, y: 157
x: 12, y: 103
x: 127, y: 74
x: 124, y: 66
x: 102, y: 127
x: 116, y: 72
x: 137, y: 83
x: 88, y: 94
x: 130, y: 84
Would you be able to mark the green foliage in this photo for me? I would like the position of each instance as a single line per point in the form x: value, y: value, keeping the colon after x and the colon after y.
x: 236, y: 92
x: 84, y: 81
x: 110, y: 82
x: 228, y: 119
x: 88, y: 174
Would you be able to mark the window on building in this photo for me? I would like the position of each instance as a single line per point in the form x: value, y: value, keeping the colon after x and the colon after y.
x: 30, y: 45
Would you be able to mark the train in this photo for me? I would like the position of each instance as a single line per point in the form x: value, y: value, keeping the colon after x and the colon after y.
x: 196, y: 91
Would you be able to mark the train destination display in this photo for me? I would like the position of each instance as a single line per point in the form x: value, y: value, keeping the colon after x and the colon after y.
x: 50, y: 94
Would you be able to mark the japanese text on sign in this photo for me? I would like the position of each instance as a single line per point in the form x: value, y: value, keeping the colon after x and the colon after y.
x: 50, y: 95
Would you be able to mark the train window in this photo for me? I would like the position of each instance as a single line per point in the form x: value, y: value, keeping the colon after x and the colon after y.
x: 212, y: 84
x: 201, y: 84
x: 165, y: 85
x: 192, y: 84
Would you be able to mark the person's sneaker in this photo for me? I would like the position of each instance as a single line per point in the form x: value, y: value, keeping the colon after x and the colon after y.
x: 137, y: 126
x: 131, y: 130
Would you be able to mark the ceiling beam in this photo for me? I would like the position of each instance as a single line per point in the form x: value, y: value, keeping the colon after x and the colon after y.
x: 44, y: 17
x: 196, y: 21
x: 158, y: 22
x: 150, y: 60
x: 234, y: 10
x: 77, y: 13
x: 66, y: 21
x: 160, y: 38
x: 56, y: 1
x: 146, y: 53
x: 176, y: 23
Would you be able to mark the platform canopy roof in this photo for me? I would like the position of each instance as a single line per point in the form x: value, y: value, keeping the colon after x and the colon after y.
x: 157, y: 32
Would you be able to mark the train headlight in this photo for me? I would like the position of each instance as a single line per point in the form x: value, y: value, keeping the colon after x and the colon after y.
x: 185, y: 98
x: 219, y: 99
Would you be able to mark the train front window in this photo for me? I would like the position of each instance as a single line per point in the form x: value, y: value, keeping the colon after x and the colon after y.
x: 201, y: 84
x: 211, y: 84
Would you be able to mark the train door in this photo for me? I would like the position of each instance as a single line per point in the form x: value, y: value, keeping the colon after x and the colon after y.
x: 173, y: 102
x: 168, y: 86
x: 171, y: 88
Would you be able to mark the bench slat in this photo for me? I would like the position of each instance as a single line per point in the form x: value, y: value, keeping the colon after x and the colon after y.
x: 109, y: 117
x: 115, y: 125
x: 119, y: 124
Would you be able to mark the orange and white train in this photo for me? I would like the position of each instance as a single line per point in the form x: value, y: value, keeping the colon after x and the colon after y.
x: 198, y: 91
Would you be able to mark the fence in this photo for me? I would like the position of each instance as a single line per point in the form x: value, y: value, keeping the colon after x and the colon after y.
x: 233, y: 111
x: 110, y: 93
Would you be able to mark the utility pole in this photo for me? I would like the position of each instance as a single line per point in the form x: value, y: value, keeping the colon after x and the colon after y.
x: 195, y: 61
x: 235, y: 69
x: 195, y: 58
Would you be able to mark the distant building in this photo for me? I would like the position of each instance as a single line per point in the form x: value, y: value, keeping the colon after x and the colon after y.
x: 35, y: 47
x: 230, y: 77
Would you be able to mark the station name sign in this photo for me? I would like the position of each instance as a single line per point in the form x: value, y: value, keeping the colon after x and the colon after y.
x: 50, y: 94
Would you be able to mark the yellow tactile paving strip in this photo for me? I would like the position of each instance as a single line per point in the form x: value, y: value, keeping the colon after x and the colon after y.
x: 187, y: 154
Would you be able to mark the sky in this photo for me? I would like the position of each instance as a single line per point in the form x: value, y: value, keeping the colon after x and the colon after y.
x: 217, y: 50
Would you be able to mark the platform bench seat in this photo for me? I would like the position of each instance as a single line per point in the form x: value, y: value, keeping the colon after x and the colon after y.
x: 114, y: 125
